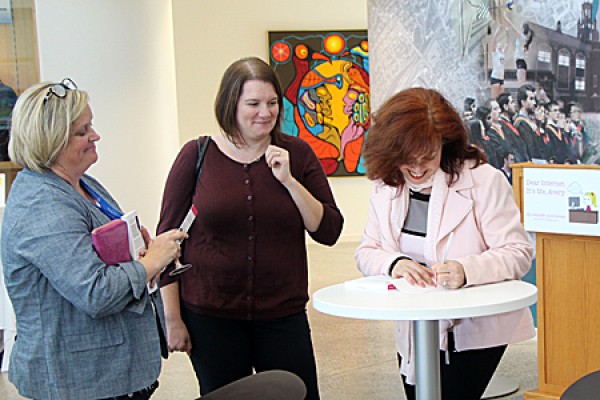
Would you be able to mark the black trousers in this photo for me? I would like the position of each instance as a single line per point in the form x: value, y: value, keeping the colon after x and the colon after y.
x: 224, y: 350
x: 466, y: 376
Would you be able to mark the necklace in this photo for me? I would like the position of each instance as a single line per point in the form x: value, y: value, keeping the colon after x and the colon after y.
x: 244, y: 153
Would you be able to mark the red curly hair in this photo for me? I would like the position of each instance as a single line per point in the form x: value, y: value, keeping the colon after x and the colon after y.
x: 411, y: 124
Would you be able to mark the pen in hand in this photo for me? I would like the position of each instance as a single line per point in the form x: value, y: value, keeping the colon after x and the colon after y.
x: 445, y: 255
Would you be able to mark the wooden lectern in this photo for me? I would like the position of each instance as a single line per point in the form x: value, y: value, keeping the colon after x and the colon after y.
x: 568, y: 281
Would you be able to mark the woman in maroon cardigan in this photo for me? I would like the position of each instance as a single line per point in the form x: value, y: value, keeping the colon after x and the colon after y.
x: 242, y: 305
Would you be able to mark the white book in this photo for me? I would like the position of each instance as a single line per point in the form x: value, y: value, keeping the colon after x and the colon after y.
x: 385, y: 283
x: 379, y: 282
x: 136, y: 240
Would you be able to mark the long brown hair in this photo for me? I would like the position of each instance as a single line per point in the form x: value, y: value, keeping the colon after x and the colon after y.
x: 413, y: 123
x: 230, y: 90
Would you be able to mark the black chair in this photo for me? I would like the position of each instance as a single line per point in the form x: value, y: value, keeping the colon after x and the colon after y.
x: 584, y: 388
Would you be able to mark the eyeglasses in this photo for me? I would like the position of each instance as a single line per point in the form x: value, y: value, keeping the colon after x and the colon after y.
x: 60, y: 89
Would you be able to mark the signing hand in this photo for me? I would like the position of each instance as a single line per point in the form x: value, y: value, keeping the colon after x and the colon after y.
x: 450, y: 275
x: 414, y: 273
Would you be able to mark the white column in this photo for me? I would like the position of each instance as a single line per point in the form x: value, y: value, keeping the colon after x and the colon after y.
x: 121, y: 53
x: 8, y: 325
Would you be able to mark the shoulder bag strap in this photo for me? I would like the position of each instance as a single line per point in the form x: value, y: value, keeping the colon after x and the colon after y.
x: 202, y: 146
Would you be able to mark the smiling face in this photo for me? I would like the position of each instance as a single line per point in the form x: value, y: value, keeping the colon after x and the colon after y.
x: 257, y: 110
x: 421, y: 169
x: 80, y: 152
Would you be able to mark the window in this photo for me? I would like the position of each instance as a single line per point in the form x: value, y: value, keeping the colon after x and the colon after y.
x: 580, y: 61
x: 579, y: 84
x: 18, y: 52
x: 544, y: 56
x: 563, y: 73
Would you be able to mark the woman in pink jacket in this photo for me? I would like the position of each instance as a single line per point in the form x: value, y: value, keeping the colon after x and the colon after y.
x: 428, y: 183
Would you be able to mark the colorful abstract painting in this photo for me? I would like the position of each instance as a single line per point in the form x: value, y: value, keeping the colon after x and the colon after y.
x: 325, y: 80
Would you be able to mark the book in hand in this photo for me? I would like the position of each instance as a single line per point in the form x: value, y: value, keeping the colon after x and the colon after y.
x: 134, y: 230
x: 119, y: 240
x: 111, y: 242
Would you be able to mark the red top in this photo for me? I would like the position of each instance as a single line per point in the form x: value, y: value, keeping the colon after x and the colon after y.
x: 247, y: 244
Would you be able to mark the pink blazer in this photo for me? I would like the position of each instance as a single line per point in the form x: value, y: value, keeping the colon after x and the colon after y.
x: 489, y: 242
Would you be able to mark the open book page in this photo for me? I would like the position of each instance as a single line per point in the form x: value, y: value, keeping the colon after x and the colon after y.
x: 383, y: 283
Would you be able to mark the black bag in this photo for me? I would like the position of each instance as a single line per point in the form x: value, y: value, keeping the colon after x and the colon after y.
x: 164, y: 348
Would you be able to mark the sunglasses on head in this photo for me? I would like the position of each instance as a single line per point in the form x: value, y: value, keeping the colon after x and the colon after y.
x: 60, y: 89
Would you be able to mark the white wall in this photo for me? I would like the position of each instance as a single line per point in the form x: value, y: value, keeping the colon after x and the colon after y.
x: 126, y: 54
x: 121, y: 53
x: 209, y: 35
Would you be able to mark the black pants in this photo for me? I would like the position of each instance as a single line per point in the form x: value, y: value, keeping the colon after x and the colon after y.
x: 467, y: 375
x: 224, y: 351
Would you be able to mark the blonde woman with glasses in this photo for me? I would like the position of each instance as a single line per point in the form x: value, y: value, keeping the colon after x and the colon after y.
x: 86, y: 330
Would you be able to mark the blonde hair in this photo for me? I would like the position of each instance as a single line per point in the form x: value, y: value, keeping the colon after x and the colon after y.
x: 592, y: 197
x: 41, y: 123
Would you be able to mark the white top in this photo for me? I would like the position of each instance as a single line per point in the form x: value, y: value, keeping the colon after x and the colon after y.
x: 474, y: 301
x: 520, y: 53
x: 498, y: 65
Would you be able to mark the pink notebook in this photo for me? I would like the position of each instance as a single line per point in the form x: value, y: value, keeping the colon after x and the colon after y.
x: 111, y: 242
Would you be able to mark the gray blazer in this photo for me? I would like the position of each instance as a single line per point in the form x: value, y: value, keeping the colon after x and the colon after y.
x: 85, y: 330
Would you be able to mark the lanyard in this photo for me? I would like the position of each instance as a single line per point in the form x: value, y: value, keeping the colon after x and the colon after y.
x: 102, y: 204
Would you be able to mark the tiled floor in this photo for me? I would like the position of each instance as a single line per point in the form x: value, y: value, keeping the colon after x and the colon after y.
x: 355, y: 358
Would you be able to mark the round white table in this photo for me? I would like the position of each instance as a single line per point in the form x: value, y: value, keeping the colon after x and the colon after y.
x: 431, y: 306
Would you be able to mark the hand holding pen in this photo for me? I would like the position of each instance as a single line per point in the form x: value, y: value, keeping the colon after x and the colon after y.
x: 449, y: 273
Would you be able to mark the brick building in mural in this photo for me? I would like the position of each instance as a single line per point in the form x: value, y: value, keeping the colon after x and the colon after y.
x: 568, y: 67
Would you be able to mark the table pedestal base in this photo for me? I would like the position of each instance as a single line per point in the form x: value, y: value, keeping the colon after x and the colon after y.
x: 427, y: 360
x: 427, y: 363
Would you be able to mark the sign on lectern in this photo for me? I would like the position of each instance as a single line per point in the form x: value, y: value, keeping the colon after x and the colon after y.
x: 561, y: 201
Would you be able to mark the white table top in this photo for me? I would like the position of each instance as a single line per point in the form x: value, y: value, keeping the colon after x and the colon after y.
x: 475, y: 301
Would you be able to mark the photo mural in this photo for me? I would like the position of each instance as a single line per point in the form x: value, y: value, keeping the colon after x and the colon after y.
x: 327, y: 99
x: 524, y: 74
